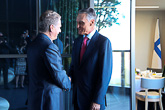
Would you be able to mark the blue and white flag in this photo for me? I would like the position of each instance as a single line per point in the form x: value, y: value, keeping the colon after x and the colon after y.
x: 156, y: 58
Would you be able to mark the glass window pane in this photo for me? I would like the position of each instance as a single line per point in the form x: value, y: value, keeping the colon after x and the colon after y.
x: 113, y: 21
x: 16, y: 17
x: 3, y: 27
x: 2, y: 10
x: 116, y: 76
x: 18, y: 13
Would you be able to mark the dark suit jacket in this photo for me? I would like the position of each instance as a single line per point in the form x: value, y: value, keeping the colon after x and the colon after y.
x: 91, y: 77
x: 4, y: 49
x: 46, y: 75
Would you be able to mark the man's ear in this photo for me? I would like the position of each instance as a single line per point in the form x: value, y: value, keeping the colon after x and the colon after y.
x: 92, y: 22
x: 50, y: 28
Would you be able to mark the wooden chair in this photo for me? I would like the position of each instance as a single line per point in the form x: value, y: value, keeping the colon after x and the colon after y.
x: 150, y: 96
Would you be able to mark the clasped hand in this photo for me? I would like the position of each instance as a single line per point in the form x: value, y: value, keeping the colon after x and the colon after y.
x: 95, y: 106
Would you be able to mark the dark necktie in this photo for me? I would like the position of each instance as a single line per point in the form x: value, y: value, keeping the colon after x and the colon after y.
x: 83, y: 48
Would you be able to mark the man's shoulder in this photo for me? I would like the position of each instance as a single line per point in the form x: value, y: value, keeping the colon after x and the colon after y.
x: 40, y: 43
x: 103, y: 38
x: 53, y: 46
x: 43, y: 39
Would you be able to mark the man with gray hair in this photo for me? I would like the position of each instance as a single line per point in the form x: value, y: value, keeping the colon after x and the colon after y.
x: 91, y: 66
x: 47, y: 78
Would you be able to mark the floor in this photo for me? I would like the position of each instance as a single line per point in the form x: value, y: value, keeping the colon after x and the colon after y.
x: 18, y: 97
x: 117, y: 102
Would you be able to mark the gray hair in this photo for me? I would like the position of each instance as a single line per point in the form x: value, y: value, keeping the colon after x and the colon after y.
x: 90, y: 12
x: 48, y: 18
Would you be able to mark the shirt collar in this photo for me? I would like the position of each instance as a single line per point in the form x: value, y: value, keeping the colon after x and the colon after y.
x: 90, y: 34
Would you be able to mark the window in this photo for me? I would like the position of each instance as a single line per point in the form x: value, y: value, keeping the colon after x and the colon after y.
x: 113, y: 21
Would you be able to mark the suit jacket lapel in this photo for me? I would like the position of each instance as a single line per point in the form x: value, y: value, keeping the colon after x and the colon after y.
x: 78, y: 49
x: 90, y: 47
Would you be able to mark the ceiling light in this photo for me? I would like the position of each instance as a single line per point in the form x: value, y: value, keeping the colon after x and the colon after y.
x: 142, y: 7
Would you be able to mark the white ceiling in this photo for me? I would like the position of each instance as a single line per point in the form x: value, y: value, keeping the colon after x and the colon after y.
x: 160, y: 3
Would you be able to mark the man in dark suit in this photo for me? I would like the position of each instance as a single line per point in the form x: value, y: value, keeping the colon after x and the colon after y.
x: 4, y: 62
x: 47, y: 78
x: 91, y: 65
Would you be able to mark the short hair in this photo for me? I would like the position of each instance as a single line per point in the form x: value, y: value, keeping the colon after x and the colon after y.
x: 48, y: 18
x: 90, y: 12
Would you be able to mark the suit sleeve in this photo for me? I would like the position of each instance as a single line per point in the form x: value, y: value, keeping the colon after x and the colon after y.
x: 71, y: 69
x: 53, y: 62
x: 105, y: 71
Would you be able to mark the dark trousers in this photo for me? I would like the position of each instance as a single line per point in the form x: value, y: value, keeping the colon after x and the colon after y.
x: 76, y: 106
x: 4, y: 68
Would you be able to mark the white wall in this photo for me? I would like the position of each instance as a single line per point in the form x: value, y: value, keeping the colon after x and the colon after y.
x: 145, y: 22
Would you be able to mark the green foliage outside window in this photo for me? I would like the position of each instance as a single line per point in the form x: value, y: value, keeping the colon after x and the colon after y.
x: 106, y: 13
x: 68, y: 9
